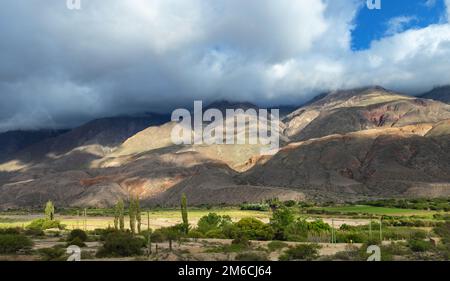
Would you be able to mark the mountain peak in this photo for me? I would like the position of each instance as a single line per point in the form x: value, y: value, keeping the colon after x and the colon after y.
x: 441, y: 93
x: 222, y: 105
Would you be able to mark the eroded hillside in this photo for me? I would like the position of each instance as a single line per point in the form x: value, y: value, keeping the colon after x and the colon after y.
x: 343, y: 146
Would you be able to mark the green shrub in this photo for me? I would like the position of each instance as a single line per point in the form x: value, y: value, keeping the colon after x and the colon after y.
x: 276, y: 245
x: 346, y: 227
x: 301, y: 252
x: 444, y: 251
x: 402, y: 233
x: 351, y: 237
x: 86, y: 255
x: 34, y: 232
x: 12, y: 243
x: 281, y: 219
x: 419, y: 245
x: 230, y: 231
x: 289, y: 203
x: 251, y: 256
x: 394, y: 249
x: 77, y: 233
x: 241, y: 240
x: 232, y: 248
x: 319, y: 226
x: 56, y: 253
x: 300, y: 230
x: 443, y: 231
x: 158, y: 236
x: 351, y: 253
x: 196, y: 234
x: 103, y: 233
x: 254, y: 229
x: 255, y: 207
x: 215, y: 234
x: 146, y: 233
x: 373, y: 241
x: 44, y: 224
x: 11, y: 230
x: 77, y: 242
x: 121, y: 244
x: 419, y: 235
x: 173, y: 233
x: 212, y: 221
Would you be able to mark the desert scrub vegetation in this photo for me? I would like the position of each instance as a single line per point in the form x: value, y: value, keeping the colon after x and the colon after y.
x: 443, y: 231
x: 121, y: 244
x: 239, y: 244
x: 37, y: 233
x: 13, y: 243
x: 77, y: 233
x: 252, y: 256
x: 77, y: 237
x: 351, y: 253
x: 276, y: 245
x: 170, y: 234
x: 301, y: 252
x: 55, y: 253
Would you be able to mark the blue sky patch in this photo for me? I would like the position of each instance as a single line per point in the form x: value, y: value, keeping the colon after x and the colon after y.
x: 395, y: 16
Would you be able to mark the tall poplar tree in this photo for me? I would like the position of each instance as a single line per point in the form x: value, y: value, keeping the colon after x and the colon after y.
x: 120, y: 210
x: 184, y: 213
x: 50, y: 210
x: 132, y: 214
x: 138, y: 214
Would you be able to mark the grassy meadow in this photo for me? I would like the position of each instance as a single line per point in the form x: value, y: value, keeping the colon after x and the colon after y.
x: 372, y: 210
x: 98, y: 218
x: 272, y: 231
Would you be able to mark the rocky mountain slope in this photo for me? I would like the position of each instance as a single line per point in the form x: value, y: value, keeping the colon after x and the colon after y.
x: 439, y: 94
x: 345, y: 145
x: 13, y: 141
x: 400, y: 161
x: 350, y: 111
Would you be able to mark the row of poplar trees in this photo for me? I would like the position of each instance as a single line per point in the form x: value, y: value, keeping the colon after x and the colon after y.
x: 135, y: 215
x: 134, y: 211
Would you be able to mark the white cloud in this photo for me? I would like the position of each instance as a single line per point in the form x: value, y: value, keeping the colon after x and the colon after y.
x: 447, y: 3
x: 124, y: 56
x: 398, y: 24
x: 430, y: 3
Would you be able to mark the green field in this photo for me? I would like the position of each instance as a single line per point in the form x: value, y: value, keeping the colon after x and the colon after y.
x: 328, y: 231
x: 158, y: 218
x: 98, y: 218
x: 362, y: 209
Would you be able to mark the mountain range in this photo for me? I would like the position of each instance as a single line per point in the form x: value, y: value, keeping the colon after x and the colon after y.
x: 342, y: 146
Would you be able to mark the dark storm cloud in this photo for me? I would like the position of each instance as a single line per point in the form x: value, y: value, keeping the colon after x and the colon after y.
x: 60, y: 67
